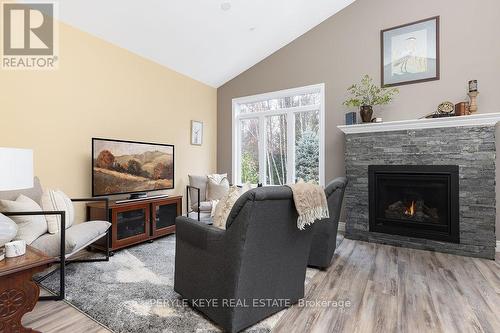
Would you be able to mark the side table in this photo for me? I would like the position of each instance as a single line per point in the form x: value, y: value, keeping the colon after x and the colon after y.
x: 18, y: 292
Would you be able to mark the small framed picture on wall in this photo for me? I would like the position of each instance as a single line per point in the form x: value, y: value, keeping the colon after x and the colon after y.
x: 410, y: 53
x: 196, y: 132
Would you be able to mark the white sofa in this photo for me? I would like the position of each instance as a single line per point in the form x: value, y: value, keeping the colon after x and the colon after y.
x: 75, y: 238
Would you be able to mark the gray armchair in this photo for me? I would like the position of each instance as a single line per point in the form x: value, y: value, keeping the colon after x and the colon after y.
x: 325, y: 231
x: 261, y: 256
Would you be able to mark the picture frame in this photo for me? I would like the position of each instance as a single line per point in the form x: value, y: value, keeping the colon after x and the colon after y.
x: 410, y: 53
x: 196, y: 133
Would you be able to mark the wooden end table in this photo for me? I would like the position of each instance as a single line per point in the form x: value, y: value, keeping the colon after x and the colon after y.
x: 18, y: 292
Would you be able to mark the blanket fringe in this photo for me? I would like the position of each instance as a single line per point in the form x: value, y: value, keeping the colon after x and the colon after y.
x: 313, y: 214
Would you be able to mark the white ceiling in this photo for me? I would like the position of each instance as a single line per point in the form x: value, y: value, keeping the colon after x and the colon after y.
x: 196, y: 37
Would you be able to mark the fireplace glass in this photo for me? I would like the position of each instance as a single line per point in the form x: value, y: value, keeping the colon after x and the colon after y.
x: 413, y: 198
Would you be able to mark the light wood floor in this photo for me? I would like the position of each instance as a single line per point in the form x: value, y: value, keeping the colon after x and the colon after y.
x: 60, y: 317
x: 390, y: 289
x: 395, y: 289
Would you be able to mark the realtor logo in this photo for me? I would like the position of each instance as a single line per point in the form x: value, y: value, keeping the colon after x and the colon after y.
x: 29, y: 36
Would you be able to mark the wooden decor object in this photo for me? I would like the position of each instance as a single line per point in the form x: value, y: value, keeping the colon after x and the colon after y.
x: 18, y: 292
x: 473, y: 101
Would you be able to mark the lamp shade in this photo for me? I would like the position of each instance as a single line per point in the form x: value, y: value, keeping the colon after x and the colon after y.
x: 16, y: 169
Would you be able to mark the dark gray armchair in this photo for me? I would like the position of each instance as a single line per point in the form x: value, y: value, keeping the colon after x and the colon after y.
x: 325, y: 231
x: 261, y: 257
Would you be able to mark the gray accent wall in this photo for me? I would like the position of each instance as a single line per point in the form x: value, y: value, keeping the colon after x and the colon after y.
x: 347, y: 45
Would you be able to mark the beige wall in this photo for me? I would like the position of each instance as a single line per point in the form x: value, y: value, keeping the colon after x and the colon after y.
x: 101, y: 90
x: 346, y: 46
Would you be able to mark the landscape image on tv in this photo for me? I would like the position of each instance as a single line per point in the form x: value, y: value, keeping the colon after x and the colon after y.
x: 124, y: 167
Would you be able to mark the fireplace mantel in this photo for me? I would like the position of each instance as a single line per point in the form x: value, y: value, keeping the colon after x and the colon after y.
x: 484, y: 119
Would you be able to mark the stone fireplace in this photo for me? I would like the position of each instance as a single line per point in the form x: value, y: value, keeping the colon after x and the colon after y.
x: 427, y: 184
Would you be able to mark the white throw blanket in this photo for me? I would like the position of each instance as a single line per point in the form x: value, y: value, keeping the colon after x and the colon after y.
x: 310, y: 202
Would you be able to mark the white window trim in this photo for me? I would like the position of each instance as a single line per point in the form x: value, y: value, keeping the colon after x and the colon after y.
x: 235, y: 127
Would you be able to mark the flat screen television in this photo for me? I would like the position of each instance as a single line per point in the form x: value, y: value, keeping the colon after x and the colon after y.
x: 124, y: 167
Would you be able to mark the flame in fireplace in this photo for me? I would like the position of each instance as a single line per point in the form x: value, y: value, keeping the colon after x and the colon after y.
x: 410, y: 209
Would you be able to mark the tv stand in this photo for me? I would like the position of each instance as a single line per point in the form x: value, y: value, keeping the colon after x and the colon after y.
x: 137, y: 222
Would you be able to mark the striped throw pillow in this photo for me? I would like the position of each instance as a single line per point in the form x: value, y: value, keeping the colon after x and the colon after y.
x: 56, y: 200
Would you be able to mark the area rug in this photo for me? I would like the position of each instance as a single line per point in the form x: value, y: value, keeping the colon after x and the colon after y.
x: 134, y: 292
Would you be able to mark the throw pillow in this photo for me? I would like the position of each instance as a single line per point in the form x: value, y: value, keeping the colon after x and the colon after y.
x: 57, y: 200
x: 226, y: 203
x: 29, y: 227
x: 217, y: 186
x: 247, y: 186
x: 214, y: 206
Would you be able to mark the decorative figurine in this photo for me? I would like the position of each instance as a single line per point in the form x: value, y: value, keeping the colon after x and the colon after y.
x: 473, y: 96
x: 446, y: 108
x: 472, y: 85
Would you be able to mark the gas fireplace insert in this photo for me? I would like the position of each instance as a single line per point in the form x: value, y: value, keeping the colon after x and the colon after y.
x: 415, y: 200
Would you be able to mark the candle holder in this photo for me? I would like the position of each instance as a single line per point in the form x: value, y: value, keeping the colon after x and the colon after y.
x: 473, y: 101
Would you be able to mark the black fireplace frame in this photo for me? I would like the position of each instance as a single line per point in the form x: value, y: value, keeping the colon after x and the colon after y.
x: 448, y: 233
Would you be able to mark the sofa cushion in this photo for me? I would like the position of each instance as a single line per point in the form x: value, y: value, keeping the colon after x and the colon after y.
x: 29, y: 227
x: 217, y: 186
x: 204, y: 217
x: 8, y: 229
x: 57, y: 200
x: 205, y: 206
x: 34, y: 193
x: 198, y: 182
x: 77, y: 237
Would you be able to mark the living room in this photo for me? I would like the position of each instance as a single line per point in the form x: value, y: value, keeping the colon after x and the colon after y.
x: 225, y: 165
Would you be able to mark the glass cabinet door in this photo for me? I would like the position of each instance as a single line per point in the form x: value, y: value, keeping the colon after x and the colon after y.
x: 164, y: 214
x: 131, y: 224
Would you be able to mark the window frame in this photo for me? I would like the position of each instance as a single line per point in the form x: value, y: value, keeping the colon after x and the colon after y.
x: 290, y: 116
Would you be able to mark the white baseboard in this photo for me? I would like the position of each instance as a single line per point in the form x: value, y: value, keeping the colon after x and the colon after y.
x: 498, y: 246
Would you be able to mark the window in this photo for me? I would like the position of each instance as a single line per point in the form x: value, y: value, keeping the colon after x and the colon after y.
x: 279, y: 137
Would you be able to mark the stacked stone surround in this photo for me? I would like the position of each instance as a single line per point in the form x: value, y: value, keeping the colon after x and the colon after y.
x: 471, y: 148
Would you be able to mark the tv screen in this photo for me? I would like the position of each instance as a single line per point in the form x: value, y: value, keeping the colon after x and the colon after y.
x: 120, y: 167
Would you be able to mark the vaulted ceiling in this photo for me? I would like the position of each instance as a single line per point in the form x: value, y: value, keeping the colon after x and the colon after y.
x: 208, y: 40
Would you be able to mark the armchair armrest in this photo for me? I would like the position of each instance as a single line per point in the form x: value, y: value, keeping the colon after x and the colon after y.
x: 200, y: 260
x: 197, y: 234
x: 63, y: 225
x: 189, y: 187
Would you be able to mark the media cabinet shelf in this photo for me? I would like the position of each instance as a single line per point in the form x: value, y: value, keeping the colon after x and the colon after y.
x: 137, y: 221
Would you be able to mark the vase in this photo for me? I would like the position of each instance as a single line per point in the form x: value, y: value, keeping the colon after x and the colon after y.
x: 366, y: 112
x: 8, y: 230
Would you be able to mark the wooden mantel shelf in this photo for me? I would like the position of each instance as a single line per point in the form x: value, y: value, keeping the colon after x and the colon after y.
x: 484, y: 119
